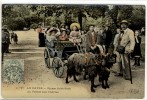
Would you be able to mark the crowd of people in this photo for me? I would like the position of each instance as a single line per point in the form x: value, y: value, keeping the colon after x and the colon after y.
x: 125, y: 39
x: 126, y: 42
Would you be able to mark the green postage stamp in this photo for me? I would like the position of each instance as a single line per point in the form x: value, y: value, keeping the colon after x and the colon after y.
x: 13, y: 71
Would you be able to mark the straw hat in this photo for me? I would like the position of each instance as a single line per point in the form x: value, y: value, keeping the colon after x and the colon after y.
x: 75, y: 24
x: 124, y: 21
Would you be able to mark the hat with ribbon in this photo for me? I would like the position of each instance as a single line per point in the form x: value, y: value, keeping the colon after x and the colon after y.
x: 75, y: 24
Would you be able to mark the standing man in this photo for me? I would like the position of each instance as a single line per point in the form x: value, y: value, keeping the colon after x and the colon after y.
x: 91, y: 38
x: 127, y: 40
x: 5, y: 42
x: 5, y: 30
x: 101, y: 37
x: 108, y: 37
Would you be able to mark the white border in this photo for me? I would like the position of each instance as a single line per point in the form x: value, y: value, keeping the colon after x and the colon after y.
x: 138, y: 2
x: 114, y: 2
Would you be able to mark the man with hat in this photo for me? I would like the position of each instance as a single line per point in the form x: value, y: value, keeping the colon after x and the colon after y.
x: 108, y: 37
x: 127, y: 40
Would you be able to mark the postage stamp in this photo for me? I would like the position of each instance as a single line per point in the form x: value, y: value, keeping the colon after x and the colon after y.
x: 13, y: 71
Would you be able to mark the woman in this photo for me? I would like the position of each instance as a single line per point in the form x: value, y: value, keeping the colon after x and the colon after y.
x: 51, y: 34
x: 75, y: 33
x: 41, y: 36
x: 137, y: 50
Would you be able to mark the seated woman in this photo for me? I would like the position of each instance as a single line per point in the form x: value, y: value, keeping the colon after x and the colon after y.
x: 75, y: 33
x: 63, y: 36
x: 51, y: 36
x: 52, y: 33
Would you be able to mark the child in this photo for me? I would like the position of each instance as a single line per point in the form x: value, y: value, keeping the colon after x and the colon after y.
x: 63, y: 36
x: 15, y: 38
x: 137, y: 50
x: 75, y: 34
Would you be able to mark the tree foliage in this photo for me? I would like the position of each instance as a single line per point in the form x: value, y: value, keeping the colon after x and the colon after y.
x: 66, y: 14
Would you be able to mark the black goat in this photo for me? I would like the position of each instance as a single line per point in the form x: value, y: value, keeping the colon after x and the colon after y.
x: 78, y: 62
x: 107, y: 63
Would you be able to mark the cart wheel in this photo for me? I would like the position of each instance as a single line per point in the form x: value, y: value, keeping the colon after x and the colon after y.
x: 47, y: 58
x: 58, y: 67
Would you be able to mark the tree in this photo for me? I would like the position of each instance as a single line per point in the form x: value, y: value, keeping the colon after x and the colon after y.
x: 70, y: 11
x: 138, y: 17
x: 6, y: 13
x: 134, y: 14
x: 120, y: 12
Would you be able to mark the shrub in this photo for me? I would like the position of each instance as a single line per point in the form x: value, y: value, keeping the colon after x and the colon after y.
x: 16, y: 24
x: 34, y: 26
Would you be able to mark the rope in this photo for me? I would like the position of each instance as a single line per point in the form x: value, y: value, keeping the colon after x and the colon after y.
x: 79, y: 49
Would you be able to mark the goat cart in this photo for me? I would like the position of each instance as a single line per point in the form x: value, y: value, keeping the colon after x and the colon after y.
x: 56, y: 54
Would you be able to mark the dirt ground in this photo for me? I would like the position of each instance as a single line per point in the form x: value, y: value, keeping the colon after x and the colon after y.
x: 40, y: 81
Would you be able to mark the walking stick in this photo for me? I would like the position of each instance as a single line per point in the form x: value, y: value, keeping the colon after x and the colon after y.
x: 130, y: 69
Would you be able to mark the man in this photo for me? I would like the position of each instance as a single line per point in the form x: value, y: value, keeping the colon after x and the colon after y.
x: 101, y: 37
x: 108, y: 37
x: 91, y: 38
x: 5, y: 30
x: 127, y: 40
x: 5, y: 42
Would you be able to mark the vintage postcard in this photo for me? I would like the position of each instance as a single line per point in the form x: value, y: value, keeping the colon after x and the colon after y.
x: 73, y: 51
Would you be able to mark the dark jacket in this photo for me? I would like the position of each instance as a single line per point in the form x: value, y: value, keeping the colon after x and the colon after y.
x: 89, y: 40
x: 108, y: 37
x: 101, y: 38
x: 137, y: 48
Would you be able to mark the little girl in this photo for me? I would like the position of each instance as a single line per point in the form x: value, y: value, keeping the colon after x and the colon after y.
x: 75, y: 33
x: 137, y: 50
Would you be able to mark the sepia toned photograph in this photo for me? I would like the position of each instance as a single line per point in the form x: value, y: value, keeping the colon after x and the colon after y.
x: 73, y: 51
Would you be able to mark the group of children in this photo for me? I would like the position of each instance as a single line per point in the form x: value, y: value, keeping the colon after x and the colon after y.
x: 63, y: 34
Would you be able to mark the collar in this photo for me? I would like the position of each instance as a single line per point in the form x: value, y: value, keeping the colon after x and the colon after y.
x: 125, y: 30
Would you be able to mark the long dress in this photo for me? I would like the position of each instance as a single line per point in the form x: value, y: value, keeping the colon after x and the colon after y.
x: 75, y: 36
x: 137, y: 48
x: 41, y: 37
